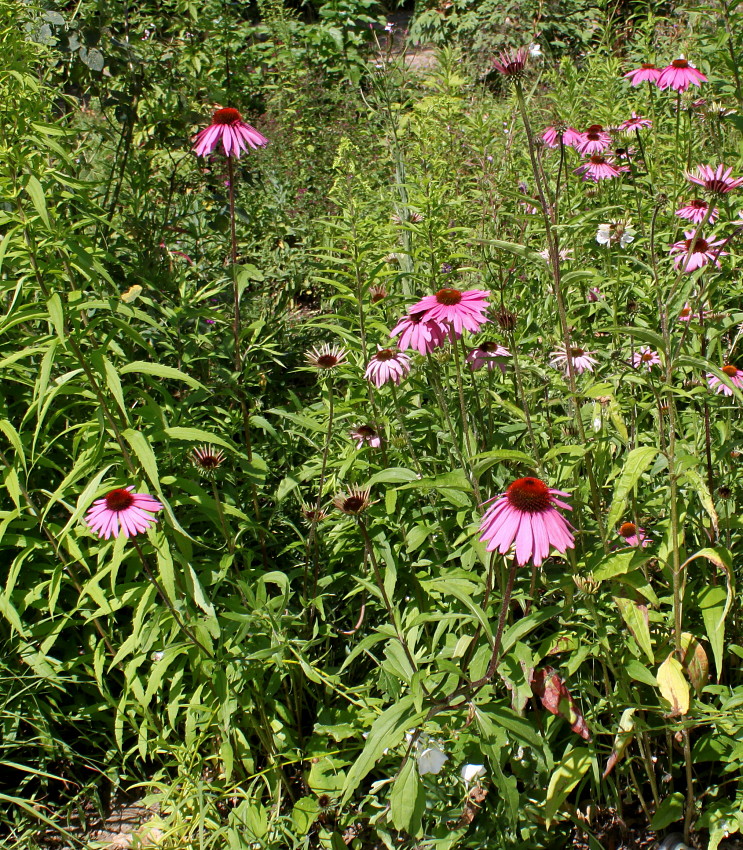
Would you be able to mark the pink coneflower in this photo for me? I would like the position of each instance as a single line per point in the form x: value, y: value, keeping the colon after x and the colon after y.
x: 645, y: 357
x: 455, y: 308
x: 582, y: 360
x: 701, y: 253
x: 326, y: 358
x: 570, y: 137
x: 598, y: 168
x: 594, y: 140
x: 235, y: 134
x: 594, y: 294
x: 696, y: 210
x: 679, y: 75
x: 419, y: 332
x: 646, y: 73
x: 633, y: 536
x: 388, y: 364
x: 687, y: 314
x: 512, y: 64
x: 366, y: 434
x: 526, y: 514
x: 207, y: 459
x: 490, y: 354
x: 732, y: 373
x: 717, y: 181
x: 122, y: 511
x: 636, y: 122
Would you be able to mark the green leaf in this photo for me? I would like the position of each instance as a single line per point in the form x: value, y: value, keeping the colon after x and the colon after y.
x: 157, y: 370
x: 36, y: 193
x: 196, y: 435
x: 637, y: 622
x: 669, y: 811
x: 387, y: 731
x: 56, y: 314
x: 566, y: 775
x: 637, y: 462
x: 408, y: 800
x: 712, y: 602
x: 304, y: 814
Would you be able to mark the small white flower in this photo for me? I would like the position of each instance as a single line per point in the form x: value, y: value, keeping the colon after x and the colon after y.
x: 535, y: 50
x: 472, y: 772
x: 431, y: 759
x: 620, y: 232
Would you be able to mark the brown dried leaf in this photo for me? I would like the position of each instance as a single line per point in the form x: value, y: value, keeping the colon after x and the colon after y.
x: 551, y: 690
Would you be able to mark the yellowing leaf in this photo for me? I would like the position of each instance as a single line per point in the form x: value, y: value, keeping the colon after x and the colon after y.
x: 673, y: 686
x: 131, y: 294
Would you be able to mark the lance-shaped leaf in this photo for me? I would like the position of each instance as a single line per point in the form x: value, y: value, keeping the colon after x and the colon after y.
x: 625, y: 733
x: 636, y: 618
x: 673, y: 686
x: 695, y: 663
x: 550, y: 688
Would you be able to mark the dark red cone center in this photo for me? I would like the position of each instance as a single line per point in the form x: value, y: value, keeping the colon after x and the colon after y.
x: 228, y: 115
x: 385, y: 354
x: 627, y: 529
x: 449, y: 297
x: 119, y: 500
x: 700, y: 245
x: 594, y: 129
x: 698, y: 204
x: 530, y: 495
x: 647, y: 355
x: 597, y: 160
x: 648, y: 66
x: 327, y: 361
x: 680, y: 63
x: 366, y: 431
x: 731, y: 371
x: 353, y: 504
x: 577, y: 352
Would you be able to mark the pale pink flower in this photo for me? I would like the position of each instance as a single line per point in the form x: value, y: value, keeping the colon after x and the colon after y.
x: 696, y: 210
x: 717, y: 181
x: 687, y: 314
x: 122, y: 511
x: 701, y: 253
x: 366, y: 434
x: 594, y: 140
x: 645, y: 357
x: 732, y: 373
x: 632, y: 535
x: 636, y: 122
x: 582, y: 360
x: 598, y: 168
x: 388, y: 364
x: 570, y: 137
x: 679, y: 75
x: 420, y: 333
x: 513, y: 63
x: 235, y: 134
x: 490, y: 354
x: 458, y: 309
x: 526, y: 514
x: 646, y: 73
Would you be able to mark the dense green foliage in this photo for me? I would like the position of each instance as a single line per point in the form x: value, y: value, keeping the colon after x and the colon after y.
x: 270, y: 670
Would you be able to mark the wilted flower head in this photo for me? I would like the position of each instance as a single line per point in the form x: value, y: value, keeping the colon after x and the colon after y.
x: 620, y: 232
x: 512, y: 63
x: 326, y: 358
x: 122, y: 511
x: 679, y: 75
x: 732, y: 373
x: 717, y: 181
x: 354, y: 502
x: 526, y: 515
x: 377, y: 293
x: 313, y: 514
x: 207, y: 459
x: 235, y: 134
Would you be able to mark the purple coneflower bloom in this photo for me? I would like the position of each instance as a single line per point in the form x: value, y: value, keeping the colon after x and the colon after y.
x: 679, y: 75
x: 594, y: 140
x: 687, y: 314
x: 526, y: 514
x: 733, y: 374
x: 512, y: 64
x: 419, y: 333
x: 717, y: 181
x: 387, y: 364
x: 701, y: 253
x: 695, y: 211
x: 598, y: 168
x: 570, y: 137
x: 122, y: 511
x: 490, y: 354
x: 633, y: 536
x: 455, y: 308
x: 582, y: 360
x: 636, y: 122
x: 235, y: 134
x: 645, y: 357
x: 646, y: 73
x: 366, y: 434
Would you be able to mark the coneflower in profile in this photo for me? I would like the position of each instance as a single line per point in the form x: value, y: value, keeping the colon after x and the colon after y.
x: 679, y: 75
x: 235, y: 134
x: 512, y: 63
x: 526, y: 514
x: 325, y: 358
x: 207, y: 460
